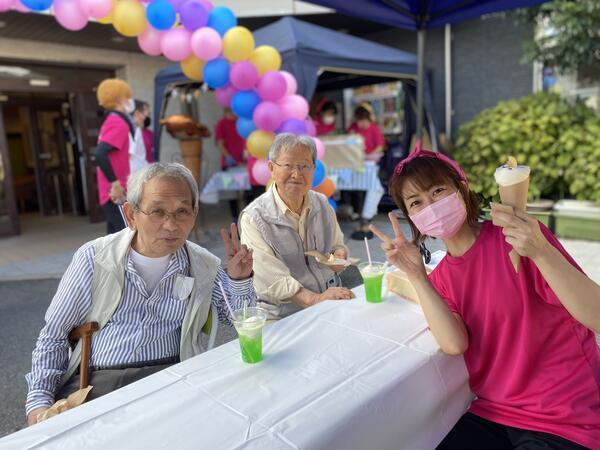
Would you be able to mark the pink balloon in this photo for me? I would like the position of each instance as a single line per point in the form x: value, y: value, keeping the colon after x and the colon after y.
x: 290, y: 80
x: 6, y: 5
x: 18, y: 6
x: 149, y: 41
x: 294, y: 106
x: 206, y: 43
x: 267, y: 116
x: 175, y: 44
x: 271, y: 86
x: 311, y: 130
x: 97, y: 9
x: 260, y: 171
x: 243, y: 75
x: 320, y: 147
x: 224, y: 95
x: 69, y: 14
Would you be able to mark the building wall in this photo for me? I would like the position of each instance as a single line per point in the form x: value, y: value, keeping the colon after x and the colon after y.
x: 486, y: 64
x: 136, y: 68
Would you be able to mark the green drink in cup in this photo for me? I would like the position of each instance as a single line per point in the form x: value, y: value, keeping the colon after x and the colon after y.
x: 249, y: 324
x: 372, y: 274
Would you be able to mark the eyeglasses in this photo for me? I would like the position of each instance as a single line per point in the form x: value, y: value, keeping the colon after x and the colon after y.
x: 160, y: 215
x: 302, y: 168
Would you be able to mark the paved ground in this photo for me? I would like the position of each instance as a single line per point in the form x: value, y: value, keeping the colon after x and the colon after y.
x: 31, y: 264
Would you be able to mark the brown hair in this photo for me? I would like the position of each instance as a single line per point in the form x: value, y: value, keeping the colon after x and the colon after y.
x: 361, y: 113
x: 110, y: 91
x: 424, y: 173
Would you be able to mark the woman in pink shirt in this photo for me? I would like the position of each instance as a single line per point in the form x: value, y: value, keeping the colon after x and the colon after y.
x: 369, y: 130
x: 527, y: 337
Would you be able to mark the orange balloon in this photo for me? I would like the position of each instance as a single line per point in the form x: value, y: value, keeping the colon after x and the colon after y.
x: 327, y: 187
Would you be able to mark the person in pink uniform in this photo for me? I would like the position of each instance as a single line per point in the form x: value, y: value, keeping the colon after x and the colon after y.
x: 325, y: 117
x: 374, y: 146
x: 527, y: 337
x: 112, y: 152
x: 232, y: 147
x: 363, y: 124
x: 230, y: 143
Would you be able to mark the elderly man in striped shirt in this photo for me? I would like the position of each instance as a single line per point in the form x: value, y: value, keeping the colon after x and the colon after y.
x: 149, y: 289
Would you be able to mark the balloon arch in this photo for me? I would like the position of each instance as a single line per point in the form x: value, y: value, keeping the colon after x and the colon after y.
x: 210, y: 47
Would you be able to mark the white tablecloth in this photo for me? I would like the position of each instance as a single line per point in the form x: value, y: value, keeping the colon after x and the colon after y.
x: 233, y: 179
x: 365, y: 179
x: 339, y: 375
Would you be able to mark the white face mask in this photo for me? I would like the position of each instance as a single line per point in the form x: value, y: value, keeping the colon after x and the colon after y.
x: 130, y: 106
x: 328, y: 120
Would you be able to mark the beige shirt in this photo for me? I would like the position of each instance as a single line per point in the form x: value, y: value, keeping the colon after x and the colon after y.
x: 276, y: 285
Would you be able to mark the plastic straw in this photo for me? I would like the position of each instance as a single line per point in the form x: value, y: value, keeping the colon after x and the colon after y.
x: 122, y: 215
x: 226, y: 301
x: 368, y: 251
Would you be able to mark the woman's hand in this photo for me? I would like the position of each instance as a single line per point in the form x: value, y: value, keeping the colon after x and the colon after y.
x: 239, y: 257
x: 523, y: 233
x: 401, y: 253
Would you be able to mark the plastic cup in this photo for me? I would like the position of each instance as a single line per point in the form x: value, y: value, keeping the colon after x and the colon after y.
x: 249, y: 331
x: 372, y: 276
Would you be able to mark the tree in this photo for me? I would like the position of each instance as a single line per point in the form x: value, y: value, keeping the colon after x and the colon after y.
x: 571, y: 34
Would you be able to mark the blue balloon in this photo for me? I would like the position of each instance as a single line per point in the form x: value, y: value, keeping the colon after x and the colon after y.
x: 161, y: 15
x: 37, y: 5
x: 244, y: 102
x: 221, y: 18
x: 216, y: 73
x: 245, y: 127
x: 333, y: 203
x: 319, y: 174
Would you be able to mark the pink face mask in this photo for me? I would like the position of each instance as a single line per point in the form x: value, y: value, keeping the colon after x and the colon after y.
x: 441, y: 219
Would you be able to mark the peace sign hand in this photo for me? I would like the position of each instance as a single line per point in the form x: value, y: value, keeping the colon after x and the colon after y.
x: 399, y: 252
x: 239, y: 257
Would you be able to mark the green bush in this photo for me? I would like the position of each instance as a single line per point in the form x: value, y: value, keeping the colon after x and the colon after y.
x: 559, y: 141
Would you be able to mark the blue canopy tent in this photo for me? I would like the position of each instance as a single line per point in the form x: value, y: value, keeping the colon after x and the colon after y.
x: 307, y: 50
x: 420, y: 15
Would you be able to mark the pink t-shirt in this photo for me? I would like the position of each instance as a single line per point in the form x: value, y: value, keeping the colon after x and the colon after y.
x: 148, y: 137
x: 226, y: 131
x: 114, y: 131
x: 530, y: 363
x: 372, y: 135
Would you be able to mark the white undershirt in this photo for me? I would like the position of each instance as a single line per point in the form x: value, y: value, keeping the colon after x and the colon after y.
x: 150, y: 269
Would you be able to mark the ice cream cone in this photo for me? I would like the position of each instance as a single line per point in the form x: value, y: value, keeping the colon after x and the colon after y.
x: 513, y: 186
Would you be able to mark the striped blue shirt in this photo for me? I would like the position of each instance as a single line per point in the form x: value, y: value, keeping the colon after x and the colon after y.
x: 144, y: 327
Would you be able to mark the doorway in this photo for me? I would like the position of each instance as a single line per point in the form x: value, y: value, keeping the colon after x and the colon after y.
x: 43, y: 155
x: 49, y: 124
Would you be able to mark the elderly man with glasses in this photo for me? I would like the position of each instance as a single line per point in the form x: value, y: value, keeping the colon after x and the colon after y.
x: 149, y: 289
x: 284, y: 223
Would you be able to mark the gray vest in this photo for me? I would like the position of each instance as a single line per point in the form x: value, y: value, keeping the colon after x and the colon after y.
x: 285, y: 242
x: 107, y: 291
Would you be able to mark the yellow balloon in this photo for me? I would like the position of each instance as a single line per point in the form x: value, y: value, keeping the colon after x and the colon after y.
x: 258, y: 143
x: 129, y: 18
x: 266, y: 58
x: 192, y: 67
x: 109, y: 18
x: 238, y: 44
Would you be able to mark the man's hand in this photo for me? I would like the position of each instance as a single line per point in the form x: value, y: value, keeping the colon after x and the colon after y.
x: 33, y: 415
x: 239, y: 257
x: 335, y: 293
x: 339, y: 253
x: 117, y: 193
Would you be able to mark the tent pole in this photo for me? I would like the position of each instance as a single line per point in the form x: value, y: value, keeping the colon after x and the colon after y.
x: 420, y: 79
